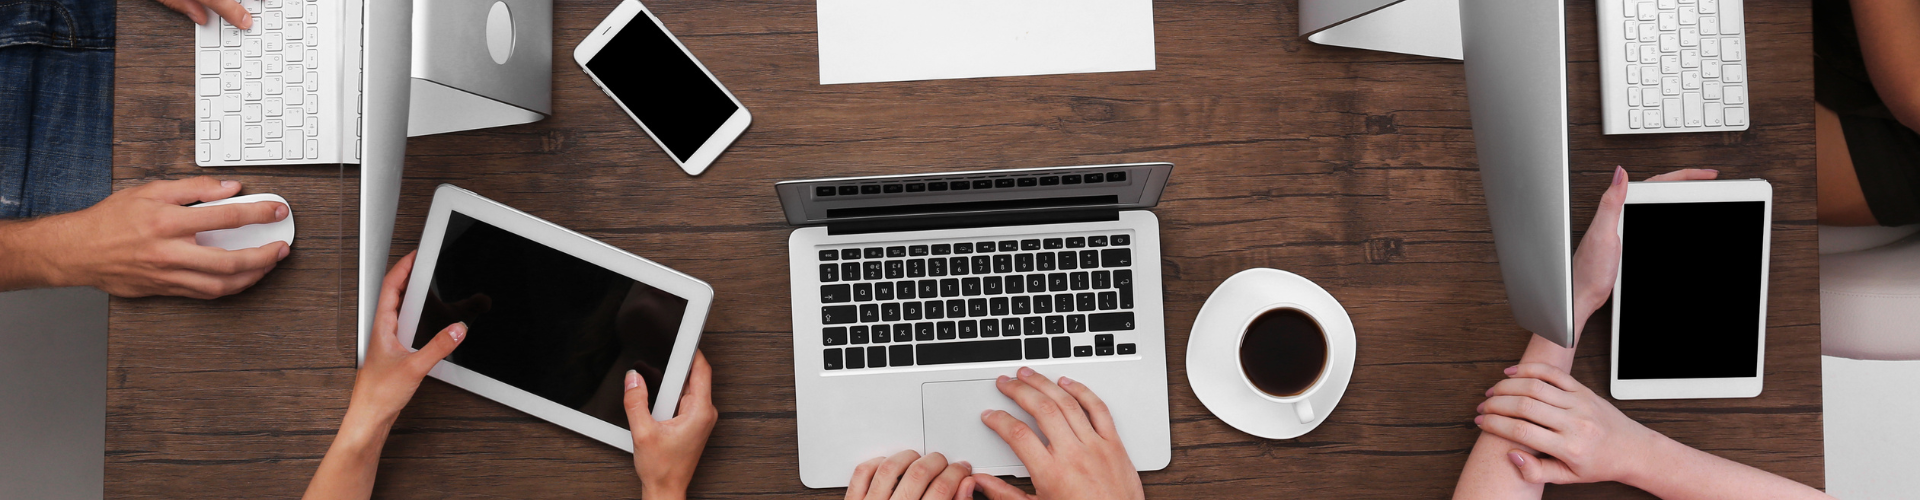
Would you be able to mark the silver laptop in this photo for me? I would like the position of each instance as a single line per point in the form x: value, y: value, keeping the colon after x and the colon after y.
x: 913, y: 293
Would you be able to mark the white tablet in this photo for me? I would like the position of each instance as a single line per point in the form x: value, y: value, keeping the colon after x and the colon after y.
x: 555, y: 319
x: 1690, y: 304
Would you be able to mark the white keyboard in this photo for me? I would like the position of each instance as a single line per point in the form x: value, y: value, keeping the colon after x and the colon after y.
x: 1673, y: 66
x: 271, y: 95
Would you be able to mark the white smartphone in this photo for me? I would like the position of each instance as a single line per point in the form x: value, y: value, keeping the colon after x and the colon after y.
x: 1690, y: 301
x: 676, y: 101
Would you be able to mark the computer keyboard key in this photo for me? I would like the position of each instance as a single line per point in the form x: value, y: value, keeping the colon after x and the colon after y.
x: 1116, y: 177
x: 1094, y: 178
x: 1068, y: 260
x: 1082, y: 351
x: 1063, y: 302
x: 839, y: 315
x: 983, y: 247
x: 997, y: 306
x: 1078, y: 281
x: 1044, y: 261
x: 1003, y: 264
x: 834, y: 336
x: 1062, y: 347
x: 869, y: 313
x: 983, y: 184
x: 1103, y: 351
x: 1096, y: 241
x: 969, y: 287
x: 863, y: 292
x: 877, y: 357
x: 829, y: 255
x: 1056, y: 282
x: 1117, y: 257
x: 1089, y: 259
x: 991, y: 285
x: 1030, y: 245
x: 1076, y: 323
x: 850, y: 271
x: 976, y: 307
x: 942, y: 249
x: 1009, y: 245
x: 1076, y: 242
x: 1032, y: 325
x: 968, y: 329
x: 832, y: 358
x: 929, y: 289
x: 1104, y: 339
x: 890, y: 311
x: 957, y: 266
x: 1084, y: 301
x: 883, y: 291
x: 1016, y: 284
x: 962, y: 248
x: 1036, y: 348
x: 1125, y: 349
x: 944, y: 330
x: 917, y: 251
x: 1053, y: 243
x: 901, y: 355
x: 957, y: 308
x: 937, y: 267
x: 1022, y: 305
x: 1102, y: 280
x: 896, y: 252
x: 923, y: 332
x: 936, y: 309
x: 982, y: 264
x: 1010, y: 327
x: 874, y: 270
x: 1036, y: 283
x: 1109, y: 301
x: 1022, y: 263
x: 896, y: 269
x: 902, y: 333
x: 1110, y: 322
x: 1121, y: 240
x: 856, y: 359
x: 989, y: 328
x: 1056, y: 325
x: 858, y: 335
x: 1042, y: 304
x: 950, y: 287
x: 910, y: 311
x: 830, y: 294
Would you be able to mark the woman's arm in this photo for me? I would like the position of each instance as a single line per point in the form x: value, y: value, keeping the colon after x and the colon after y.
x: 382, y: 387
x: 1890, y: 43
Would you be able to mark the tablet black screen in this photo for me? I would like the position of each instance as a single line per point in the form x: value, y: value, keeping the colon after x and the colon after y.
x: 1690, y: 290
x: 547, y: 322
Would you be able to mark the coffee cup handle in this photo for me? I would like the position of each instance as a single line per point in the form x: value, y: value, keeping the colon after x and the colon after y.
x: 1304, y: 410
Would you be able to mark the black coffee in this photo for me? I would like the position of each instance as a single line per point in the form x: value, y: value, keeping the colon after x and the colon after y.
x: 1283, y: 353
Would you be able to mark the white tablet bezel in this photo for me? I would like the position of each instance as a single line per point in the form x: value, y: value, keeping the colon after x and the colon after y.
x: 1697, y: 192
x: 699, y: 295
x: 627, y: 11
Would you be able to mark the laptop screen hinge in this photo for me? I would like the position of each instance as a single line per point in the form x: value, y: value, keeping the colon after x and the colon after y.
x: 932, y: 222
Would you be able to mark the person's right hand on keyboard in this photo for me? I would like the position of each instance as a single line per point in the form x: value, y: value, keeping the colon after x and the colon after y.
x: 140, y: 242
x: 1083, y: 458
x: 196, y: 10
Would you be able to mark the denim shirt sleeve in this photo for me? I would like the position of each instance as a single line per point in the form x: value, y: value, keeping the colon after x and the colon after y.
x: 66, y: 24
x: 56, y: 105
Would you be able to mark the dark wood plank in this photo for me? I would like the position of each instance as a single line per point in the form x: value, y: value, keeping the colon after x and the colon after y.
x: 1352, y: 168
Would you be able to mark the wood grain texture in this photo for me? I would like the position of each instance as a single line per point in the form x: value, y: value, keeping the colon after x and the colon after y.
x: 1355, y: 169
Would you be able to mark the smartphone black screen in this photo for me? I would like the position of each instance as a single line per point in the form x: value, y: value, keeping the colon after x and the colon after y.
x: 1690, y: 290
x: 662, y: 86
x: 546, y: 322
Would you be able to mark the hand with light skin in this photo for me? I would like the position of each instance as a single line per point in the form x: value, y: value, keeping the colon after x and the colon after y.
x: 196, y: 10
x: 1596, y: 265
x: 666, y: 452
x: 1082, y: 458
x: 384, y: 384
x: 909, y: 476
x: 1588, y: 440
x: 140, y: 242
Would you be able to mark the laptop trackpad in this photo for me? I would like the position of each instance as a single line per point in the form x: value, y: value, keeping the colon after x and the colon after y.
x: 950, y: 412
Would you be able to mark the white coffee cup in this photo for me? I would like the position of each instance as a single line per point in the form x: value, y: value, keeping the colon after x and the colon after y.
x: 1302, y: 408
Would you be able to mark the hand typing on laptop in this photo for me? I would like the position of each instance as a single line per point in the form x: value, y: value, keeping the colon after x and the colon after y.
x: 1083, y: 457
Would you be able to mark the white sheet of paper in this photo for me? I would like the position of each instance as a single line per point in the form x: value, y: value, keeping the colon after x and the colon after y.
x: 898, y: 40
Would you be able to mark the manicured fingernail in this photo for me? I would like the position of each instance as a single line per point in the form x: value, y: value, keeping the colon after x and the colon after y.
x: 229, y: 184
x: 1480, y: 409
x: 1002, y: 379
x: 989, y: 411
x: 1512, y: 370
x: 284, y: 250
x: 458, y: 331
x: 1714, y: 170
x: 1518, y: 459
x: 1479, y: 419
x: 633, y: 379
x: 1024, y: 371
x: 1489, y: 392
x: 1064, y: 381
x: 1619, y: 175
x: 963, y: 463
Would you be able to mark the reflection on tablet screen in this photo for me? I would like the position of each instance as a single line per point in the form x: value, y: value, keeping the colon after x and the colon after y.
x: 546, y: 322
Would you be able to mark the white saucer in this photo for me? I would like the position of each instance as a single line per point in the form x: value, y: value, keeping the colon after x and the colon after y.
x: 1213, y: 351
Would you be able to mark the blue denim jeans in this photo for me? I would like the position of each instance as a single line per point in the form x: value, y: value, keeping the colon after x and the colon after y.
x: 56, y: 105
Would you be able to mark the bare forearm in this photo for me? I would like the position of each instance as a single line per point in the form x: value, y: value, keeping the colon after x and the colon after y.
x: 1890, y: 43
x: 23, y: 255
x: 1488, y: 474
x: 348, y: 470
x: 1675, y: 471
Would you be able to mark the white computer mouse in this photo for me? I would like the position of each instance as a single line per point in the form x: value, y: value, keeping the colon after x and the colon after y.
x: 251, y: 235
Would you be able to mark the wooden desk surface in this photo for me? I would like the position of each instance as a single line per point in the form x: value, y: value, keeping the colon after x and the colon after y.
x: 1355, y: 169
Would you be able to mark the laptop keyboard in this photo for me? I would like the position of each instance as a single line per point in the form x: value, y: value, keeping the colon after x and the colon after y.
x: 976, y: 301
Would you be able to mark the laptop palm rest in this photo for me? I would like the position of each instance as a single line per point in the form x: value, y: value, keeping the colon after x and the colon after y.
x: 950, y: 412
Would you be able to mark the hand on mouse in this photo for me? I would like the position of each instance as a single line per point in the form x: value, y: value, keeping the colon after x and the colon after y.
x: 1543, y: 408
x: 140, y: 242
x: 386, y: 381
x: 666, y: 452
x: 909, y: 476
x: 1597, y: 262
x: 1083, y: 458
x: 196, y: 10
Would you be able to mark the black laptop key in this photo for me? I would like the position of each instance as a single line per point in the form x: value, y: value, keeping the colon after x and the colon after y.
x: 1103, y: 350
x: 1089, y: 259
x: 1062, y: 347
x: 904, y: 289
x: 997, y: 306
x: 944, y: 330
x: 870, y: 189
x: 1082, y: 351
x: 950, y: 287
x: 902, y: 332
x: 869, y: 313
x: 1053, y: 243
x: 891, y: 188
x: 1010, y: 327
x: 976, y: 307
x: 1009, y: 245
x: 1104, y: 339
x: 969, y: 329
x: 982, y: 264
x: 850, y: 254
x: 877, y: 357
x: 896, y: 269
x: 1068, y: 261
x: 1121, y: 240
x: 900, y: 355
x: 1102, y: 280
x: 850, y: 271
x: 923, y: 332
x: 910, y: 311
x: 970, y: 287
x: 936, y: 186
x: 1050, y: 181
x: 917, y: 268
x: 1109, y: 301
x: 1023, y: 263
x: 1028, y: 182
x: 881, y: 334
x: 1125, y: 349
x: 1095, y: 177
x: 1016, y: 284
x: 942, y: 249
x: 957, y: 266
x: 823, y: 191
x: 1110, y: 322
x: 833, y: 336
x: 829, y: 255
x: 1084, y: 301
x: 1078, y: 281
x: 979, y: 351
x: 1117, y: 257
x: 1037, y: 348
x: 1030, y: 245
x: 1116, y: 177
x: 956, y: 308
x: 936, y: 267
x: 873, y: 270
x: 875, y: 252
x: 833, y: 294
x: 917, y: 251
x: 833, y: 358
x: 1036, y: 283
x: 862, y: 292
x: 936, y: 309
x: 1003, y: 263
x: 890, y: 311
x: 1063, y: 302
x: 983, y: 184
x: 856, y: 358
x: 883, y: 291
x: 1123, y: 280
x: 1022, y: 305
x: 829, y: 273
x: 983, y: 247
x: 989, y: 328
x: 962, y: 248
x: 896, y: 252
x: 1096, y: 241
x: 1070, y: 179
x: 1002, y: 183
x: 1031, y: 326
x: 991, y: 286
x: 929, y: 289
x: 1076, y: 242
x: 1042, y: 304
x: 1056, y: 325
x: 839, y: 315
x: 1077, y: 323
x: 858, y: 335
x: 1056, y: 282
x: 1044, y: 261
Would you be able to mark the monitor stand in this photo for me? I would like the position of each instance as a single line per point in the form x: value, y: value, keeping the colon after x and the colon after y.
x: 471, y: 65
x: 1420, y: 27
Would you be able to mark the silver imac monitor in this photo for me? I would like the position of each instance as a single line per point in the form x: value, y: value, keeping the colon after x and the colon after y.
x: 1516, y: 65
